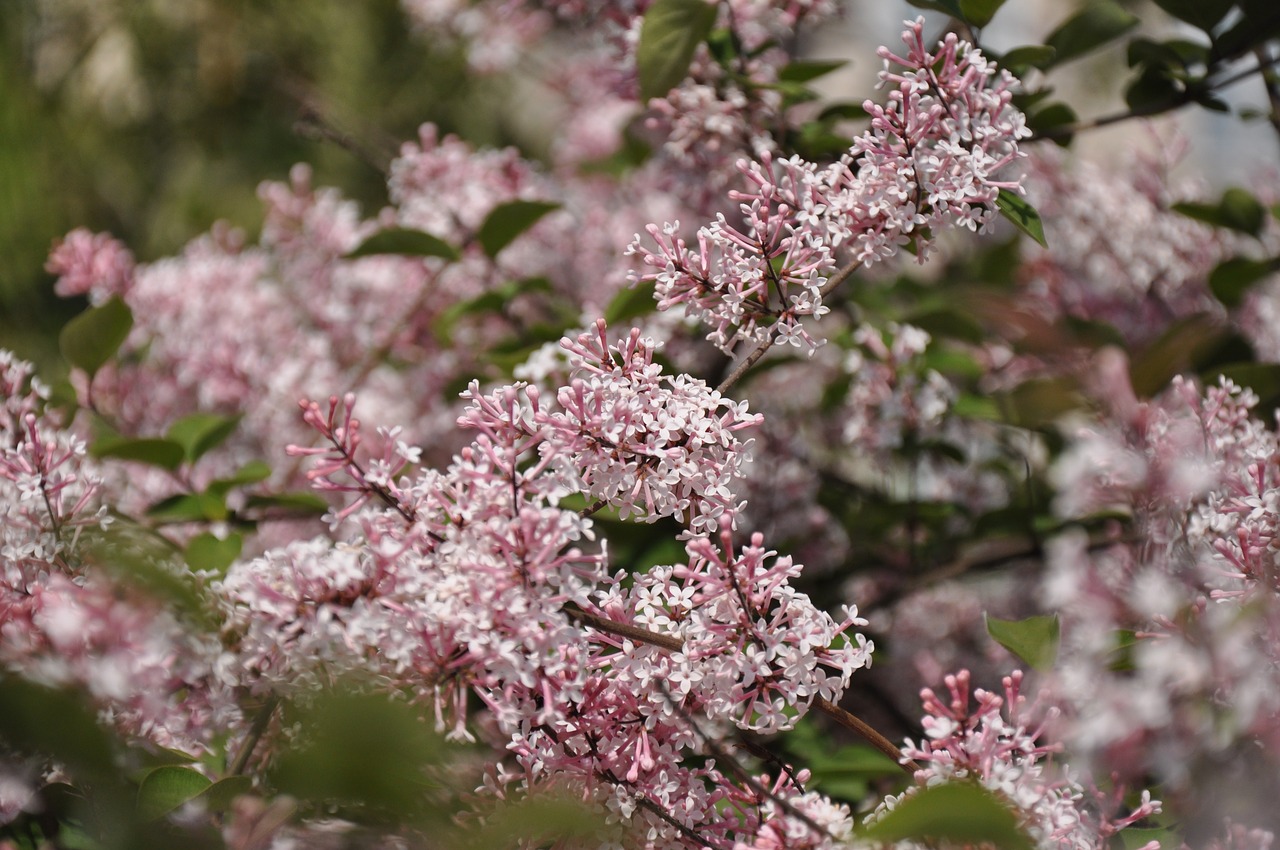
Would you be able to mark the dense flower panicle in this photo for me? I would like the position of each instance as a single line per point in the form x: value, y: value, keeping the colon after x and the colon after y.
x: 754, y: 647
x: 624, y: 433
x: 1201, y: 683
x: 998, y: 743
x: 928, y: 162
x: 91, y: 264
x: 1118, y: 251
x: 63, y: 621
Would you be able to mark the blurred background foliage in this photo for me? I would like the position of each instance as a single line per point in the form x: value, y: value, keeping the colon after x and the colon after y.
x: 152, y: 119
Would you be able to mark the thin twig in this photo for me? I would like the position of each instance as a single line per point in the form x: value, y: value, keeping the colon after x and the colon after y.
x: 260, y: 723
x: 763, y: 348
x: 1184, y: 98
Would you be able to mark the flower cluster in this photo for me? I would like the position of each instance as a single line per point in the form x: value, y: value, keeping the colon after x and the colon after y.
x: 998, y: 743
x: 928, y: 162
x: 1169, y: 624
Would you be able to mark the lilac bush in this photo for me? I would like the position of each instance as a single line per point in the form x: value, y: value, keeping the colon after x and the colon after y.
x: 452, y: 465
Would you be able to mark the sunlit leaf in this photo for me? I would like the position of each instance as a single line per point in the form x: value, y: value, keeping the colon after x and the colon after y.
x: 669, y: 35
x: 961, y: 812
x: 1024, y: 216
x: 166, y: 788
x: 1034, y: 640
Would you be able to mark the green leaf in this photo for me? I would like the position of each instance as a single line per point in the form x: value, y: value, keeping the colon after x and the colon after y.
x: 166, y: 788
x: 93, y: 337
x: 1152, y: 91
x: 1090, y: 28
x: 189, y: 507
x: 542, y: 821
x: 1236, y: 210
x: 1262, y: 378
x: 950, y: 7
x: 1040, y: 401
x: 208, y: 553
x: 1204, y: 14
x: 507, y: 221
x: 1175, y: 352
x: 1231, y: 279
x: 56, y: 723
x: 1019, y: 59
x: 1034, y: 640
x: 200, y: 432
x: 251, y: 473
x: 961, y: 812
x: 218, y: 796
x: 806, y: 70
x: 165, y: 454
x: 293, y: 502
x: 843, y: 111
x: 669, y: 35
x: 947, y: 322
x: 406, y: 242
x: 631, y: 302
x: 364, y: 750
x: 1022, y: 214
x: 979, y: 12
x: 1051, y: 120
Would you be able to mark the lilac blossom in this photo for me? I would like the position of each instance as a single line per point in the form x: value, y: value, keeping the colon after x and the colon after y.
x: 999, y: 743
x: 928, y: 162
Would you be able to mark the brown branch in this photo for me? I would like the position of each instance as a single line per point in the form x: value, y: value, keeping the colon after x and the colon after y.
x: 844, y: 718
x: 763, y: 348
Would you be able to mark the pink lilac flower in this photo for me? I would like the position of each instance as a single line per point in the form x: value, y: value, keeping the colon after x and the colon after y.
x: 999, y: 743
x: 90, y: 264
x: 928, y: 162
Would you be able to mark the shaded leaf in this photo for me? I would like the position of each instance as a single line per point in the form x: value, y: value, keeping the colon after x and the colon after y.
x: 1152, y: 91
x: 669, y: 34
x: 507, y: 221
x: 1090, y: 28
x: 362, y: 750
x: 1236, y: 210
x: 200, y: 432
x: 165, y: 454
x: 1022, y: 214
x: 93, y: 337
x: 1034, y: 640
x: 1231, y: 279
x: 39, y: 720
x: 166, y: 788
x: 1204, y: 14
x: 1175, y: 352
x: 950, y: 7
x: 294, y: 502
x: 207, y: 552
x: 218, y: 796
x: 963, y: 812
x: 1019, y: 59
x: 802, y: 71
x: 979, y: 12
x: 405, y: 242
x: 1262, y: 378
x: 631, y: 302
x: 1039, y: 402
